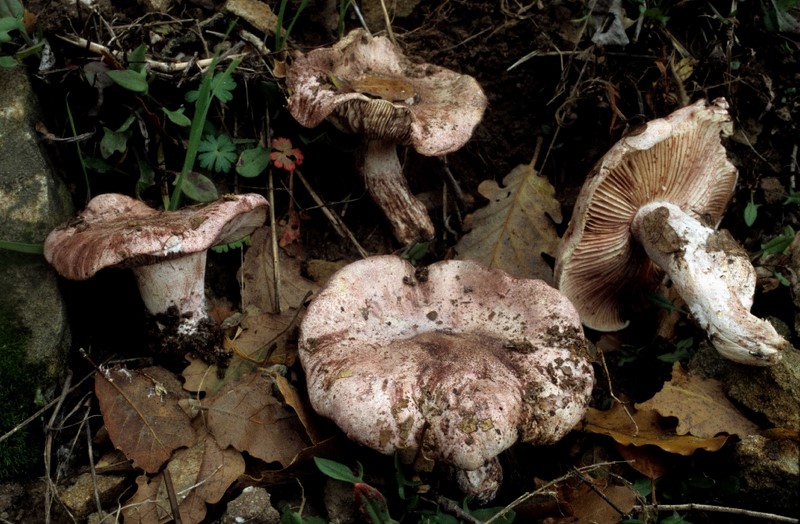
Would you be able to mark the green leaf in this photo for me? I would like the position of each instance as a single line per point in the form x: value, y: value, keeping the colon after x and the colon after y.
x: 130, y: 80
x: 199, y: 188
x: 485, y: 514
x: 7, y: 62
x: 237, y: 244
x: 222, y: 86
x: 782, y: 279
x: 751, y: 212
x: 7, y: 25
x: 252, y: 162
x: 147, y: 176
x: 136, y: 60
x: 113, y: 141
x: 217, y: 153
x: 793, y: 198
x: 177, y: 117
x: 339, y: 471
x: 372, y: 504
x: 22, y: 247
x: 779, y: 244
x: 11, y: 8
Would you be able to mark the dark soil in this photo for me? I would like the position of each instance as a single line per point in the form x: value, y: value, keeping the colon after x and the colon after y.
x: 572, y: 98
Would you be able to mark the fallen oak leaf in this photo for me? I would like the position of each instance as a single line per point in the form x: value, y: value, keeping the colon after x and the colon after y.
x: 516, y: 227
x: 141, y: 413
x: 246, y: 415
x: 616, y: 424
x: 700, y: 405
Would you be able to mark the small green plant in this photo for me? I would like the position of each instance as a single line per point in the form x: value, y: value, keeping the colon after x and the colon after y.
x: 11, y: 22
x: 134, y: 78
x: 751, y: 211
x: 281, y: 34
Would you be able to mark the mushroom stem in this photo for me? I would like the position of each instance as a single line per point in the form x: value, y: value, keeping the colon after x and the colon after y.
x: 384, y: 179
x: 179, y: 282
x: 715, y: 278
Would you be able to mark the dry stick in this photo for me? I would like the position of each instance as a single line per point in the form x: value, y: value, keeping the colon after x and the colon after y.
x: 92, y: 468
x: 388, y: 22
x: 173, y: 500
x: 48, y: 446
x: 599, y: 493
x: 543, y: 490
x: 611, y: 393
x: 336, y: 222
x: 360, y: 17
x: 452, y: 507
x: 716, y: 509
x: 276, y: 268
x: 164, y: 67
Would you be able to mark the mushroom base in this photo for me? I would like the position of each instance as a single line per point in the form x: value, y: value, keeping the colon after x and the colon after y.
x: 171, y: 336
x: 715, y: 278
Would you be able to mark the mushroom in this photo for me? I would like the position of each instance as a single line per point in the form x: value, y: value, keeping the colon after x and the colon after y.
x: 364, y: 85
x: 166, y: 251
x: 452, y: 363
x: 651, y: 206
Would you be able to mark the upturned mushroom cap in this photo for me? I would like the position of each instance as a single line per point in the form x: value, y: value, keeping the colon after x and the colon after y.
x: 439, y: 118
x: 678, y: 159
x: 453, y: 361
x: 118, y: 231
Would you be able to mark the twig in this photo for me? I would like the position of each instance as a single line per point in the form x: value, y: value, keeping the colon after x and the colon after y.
x: 360, y: 17
x: 599, y: 493
x: 544, y: 489
x: 336, y: 222
x: 173, y: 500
x: 276, y: 268
x: 611, y: 393
x: 90, y: 453
x: 388, y: 22
x: 155, y: 65
x: 451, y: 506
x: 48, y: 447
x: 716, y: 509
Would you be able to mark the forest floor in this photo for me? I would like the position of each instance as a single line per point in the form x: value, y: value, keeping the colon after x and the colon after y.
x: 565, y: 81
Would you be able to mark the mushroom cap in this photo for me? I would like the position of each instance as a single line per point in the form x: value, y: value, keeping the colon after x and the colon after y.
x: 455, y: 360
x: 117, y: 230
x: 678, y: 159
x: 445, y: 111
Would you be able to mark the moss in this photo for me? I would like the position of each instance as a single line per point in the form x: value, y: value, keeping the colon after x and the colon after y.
x: 20, y: 453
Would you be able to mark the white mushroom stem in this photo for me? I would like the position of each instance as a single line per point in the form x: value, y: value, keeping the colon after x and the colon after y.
x: 715, y: 278
x: 385, y: 181
x: 178, y: 282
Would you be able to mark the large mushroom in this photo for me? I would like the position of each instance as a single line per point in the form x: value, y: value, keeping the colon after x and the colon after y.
x: 651, y: 206
x: 166, y: 250
x: 452, y: 363
x: 365, y: 85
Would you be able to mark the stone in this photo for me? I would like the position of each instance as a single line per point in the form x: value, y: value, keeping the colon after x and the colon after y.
x: 79, y: 497
x: 769, y: 472
x: 252, y: 506
x: 32, y: 202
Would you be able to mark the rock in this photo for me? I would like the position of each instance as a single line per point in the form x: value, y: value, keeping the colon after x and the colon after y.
x: 252, y: 506
x: 32, y: 202
x: 79, y: 497
x: 772, y: 392
x: 769, y: 473
x: 340, y: 502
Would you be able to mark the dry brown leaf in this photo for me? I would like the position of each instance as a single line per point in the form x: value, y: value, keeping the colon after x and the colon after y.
x: 588, y: 507
x: 647, y: 460
x: 257, y: 276
x: 516, y: 227
x: 248, y: 417
x: 616, y: 424
x: 700, y: 405
x: 141, y: 412
x: 299, y: 405
x: 200, y: 474
x: 263, y: 333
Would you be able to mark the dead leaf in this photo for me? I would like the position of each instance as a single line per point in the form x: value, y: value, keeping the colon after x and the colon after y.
x: 257, y: 276
x: 588, y: 507
x: 647, y: 460
x: 263, y: 333
x: 200, y: 475
x: 616, y: 424
x: 299, y: 405
x: 141, y: 412
x: 700, y: 405
x: 247, y: 416
x: 516, y: 227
